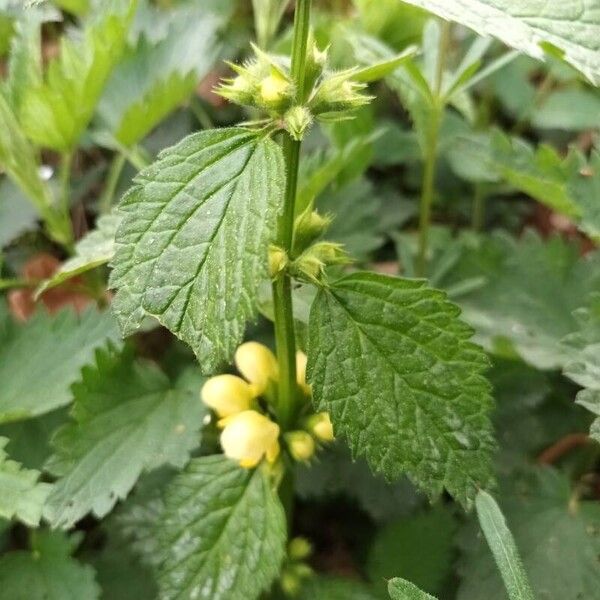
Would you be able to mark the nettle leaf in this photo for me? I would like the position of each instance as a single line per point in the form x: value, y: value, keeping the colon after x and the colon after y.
x: 18, y: 158
x: 23, y: 496
x: 223, y: 533
x: 400, y: 589
x: 418, y: 548
x: 556, y: 534
x: 55, y: 112
x: 40, y: 359
x: 154, y: 78
x: 532, y: 26
x: 127, y: 418
x: 584, y: 364
x: 16, y: 214
x: 391, y: 362
x: 531, y: 289
x: 192, y: 248
x: 540, y: 173
x: 94, y: 250
x: 48, y: 572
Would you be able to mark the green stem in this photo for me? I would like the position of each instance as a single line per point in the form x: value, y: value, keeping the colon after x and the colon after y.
x: 59, y: 222
x: 114, y: 172
x: 285, y: 337
x: 431, y: 151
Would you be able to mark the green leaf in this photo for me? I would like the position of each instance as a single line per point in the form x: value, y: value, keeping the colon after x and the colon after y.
x: 540, y: 173
x: 40, y: 359
x: 223, y: 533
x: 16, y: 214
x: 95, y: 249
x: 557, y: 536
x: 335, y: 474
x: 192, y: 248
x: 48, y: 572
x: 571, y: 109
x: 55, y: 112
x: 531, y: 26
x: 532, y: 288
x: 154, y: 78
x: 391, y: 362
x: 400, y: 589
x: 418, y: 548
x: 334, y: 588
x: 127, y: 418
x: 583, y: 366
x: 502, y: 545
x: 18, y: 159
x: 382, y: 68
x: 584, y: 188
x: 23, y: 496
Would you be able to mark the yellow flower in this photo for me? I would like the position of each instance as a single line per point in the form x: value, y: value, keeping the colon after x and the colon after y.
x: 257, y: 364
x: 301, y: 445
x: 274, y: 89
x: 227, y: 394
x: 320, y: 426
x: 301, y: 361
x: 248, y: 437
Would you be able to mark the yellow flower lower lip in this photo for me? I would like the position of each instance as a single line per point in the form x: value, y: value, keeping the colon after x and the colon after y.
x: 257, y: 364
x: 248, y: 437
x: 227, y: 394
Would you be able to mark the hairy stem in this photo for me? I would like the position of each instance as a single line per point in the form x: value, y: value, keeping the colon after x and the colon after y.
x: 431, y: 151
x: 282, y: 286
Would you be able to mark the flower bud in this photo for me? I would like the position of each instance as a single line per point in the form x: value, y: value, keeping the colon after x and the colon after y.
x: 320, y: 426
x: 257, y: 364
x: 299, y: 548
x: 301, y: 445
x: 312, y: 262
x: 296, y: 121
x: 227, y: 395
x: 301, y: 361
x: 278, y: 260
x: 248, y: 437
x: 339, y: 93
x: 310, y: 225
x: 316, y: 61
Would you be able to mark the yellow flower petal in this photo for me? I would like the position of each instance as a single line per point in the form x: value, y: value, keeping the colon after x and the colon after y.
x: 257, y: 364
x: 301, y: 361
x: 227, y: 394
x: 248, y: 437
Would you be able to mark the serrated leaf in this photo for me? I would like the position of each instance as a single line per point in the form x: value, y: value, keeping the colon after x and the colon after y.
x: 336, y: 588
x: 532, y: 26
x: 503, y: 547
x: 55, y: 112
x: 584, y: 188
x: 22, y: 496
x: 571, y: 109
x: 540, y: 173
x: 40, y: 359
x: 336, y: 474
x: 95, y: 249
x: 127, y: 418
x: 557, y: 536
x: 223, y: 533
x: 391, y: 362
x: 532, y: 288
x: 154, y: 78
x: 401, y: 589
x: 48, y: 572
x: 418, y: 548
x: 16, y: 214
x: 192, y: 248
x: 583, y: 367
x: 18, y: 159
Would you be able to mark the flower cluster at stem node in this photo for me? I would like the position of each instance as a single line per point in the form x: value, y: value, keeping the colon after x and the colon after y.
x: 246, y: 408
x: 265, y: 83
